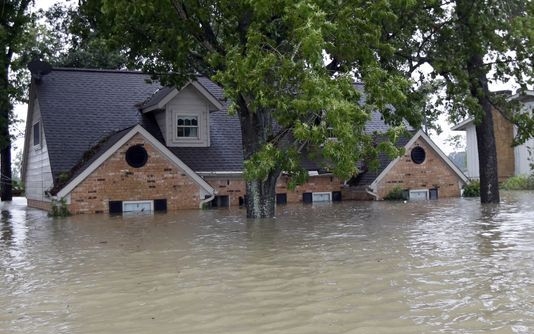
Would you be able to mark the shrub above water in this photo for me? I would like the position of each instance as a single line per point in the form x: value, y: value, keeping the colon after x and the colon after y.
x: 472, y: 189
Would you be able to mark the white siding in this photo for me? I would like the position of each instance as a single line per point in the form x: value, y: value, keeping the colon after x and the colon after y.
x: 473, y: 171
x: 187, y: 102
x: 524, y: 154
x: 38, y: 171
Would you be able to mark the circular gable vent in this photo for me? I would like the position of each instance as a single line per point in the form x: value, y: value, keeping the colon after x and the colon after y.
x: 418, y: 155
x: 136, y: 156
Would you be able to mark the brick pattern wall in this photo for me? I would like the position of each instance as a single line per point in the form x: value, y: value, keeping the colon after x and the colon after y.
x: 432, y: 173
x: 504, y: 134
x: 42, y: 205
x: 320, y: 183
x: 115, y: 180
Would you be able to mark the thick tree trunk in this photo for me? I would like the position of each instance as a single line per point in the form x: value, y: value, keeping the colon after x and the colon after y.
x: 487, y: 151
x: 5, y: 160
x: 256, y: 128
x: 6, y: 188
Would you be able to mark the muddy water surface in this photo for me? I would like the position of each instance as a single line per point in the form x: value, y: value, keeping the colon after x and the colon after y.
x: 447, y: 266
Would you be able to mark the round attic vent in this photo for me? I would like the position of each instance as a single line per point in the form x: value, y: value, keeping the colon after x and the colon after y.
x: 136, y: 156
x: 418, y: 155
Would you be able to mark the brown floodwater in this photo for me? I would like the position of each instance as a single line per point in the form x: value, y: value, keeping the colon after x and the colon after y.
x: 447, y: 266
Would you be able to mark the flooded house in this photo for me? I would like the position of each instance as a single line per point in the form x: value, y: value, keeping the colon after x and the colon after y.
x: 107, y: 141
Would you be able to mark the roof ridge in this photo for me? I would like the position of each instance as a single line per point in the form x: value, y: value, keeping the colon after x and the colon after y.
x: 99, y: 70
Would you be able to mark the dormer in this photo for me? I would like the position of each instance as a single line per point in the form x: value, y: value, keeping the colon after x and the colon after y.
x: 183, y: 114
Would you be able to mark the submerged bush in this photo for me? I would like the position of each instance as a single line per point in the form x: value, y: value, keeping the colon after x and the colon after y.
x: 472, y: 189
x: 59, y: 208
x: 396, y: 194
x: 519, y: 182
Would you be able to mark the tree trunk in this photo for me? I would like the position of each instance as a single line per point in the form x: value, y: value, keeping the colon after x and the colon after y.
x: 6, y: 190
x: 256, y: 128
x: 487, y: 151
x: 5, y: 160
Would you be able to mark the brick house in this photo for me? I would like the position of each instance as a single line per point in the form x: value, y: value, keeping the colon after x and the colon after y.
x: 511, y: 160
x: 114, y: 141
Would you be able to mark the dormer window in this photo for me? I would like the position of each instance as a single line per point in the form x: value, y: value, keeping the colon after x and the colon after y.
x: 187, y: 126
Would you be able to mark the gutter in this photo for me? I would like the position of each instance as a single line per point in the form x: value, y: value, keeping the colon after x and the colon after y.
x: 219, y: 173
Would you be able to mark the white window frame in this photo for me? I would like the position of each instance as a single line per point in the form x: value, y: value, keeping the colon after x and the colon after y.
x: 322, y: 193
x: 427, y: 195
x: 124, y: 203
x: 198, y: 117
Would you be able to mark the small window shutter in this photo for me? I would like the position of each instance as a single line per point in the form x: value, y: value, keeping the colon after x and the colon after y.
x: 115, y: 207
x: 160, y: 204
x: 307, y: 197
x: 336, y: 196
x: 281, y: 198
x: 36, y: 134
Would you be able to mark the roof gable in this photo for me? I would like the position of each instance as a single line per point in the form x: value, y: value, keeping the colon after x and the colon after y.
x: 164, y: 95
x: 101, y: 158
x: 421, y: 134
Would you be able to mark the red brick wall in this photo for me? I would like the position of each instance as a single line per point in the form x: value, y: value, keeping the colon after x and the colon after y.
x: 432, y: 173
x: 115, y: 180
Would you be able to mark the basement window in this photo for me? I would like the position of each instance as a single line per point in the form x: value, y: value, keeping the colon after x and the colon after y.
x: 418, y: 195
x: 137, y: 206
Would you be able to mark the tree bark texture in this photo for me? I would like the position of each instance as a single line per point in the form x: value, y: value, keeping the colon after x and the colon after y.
x: 487, y: 151
x: 6, y: 188
x: 256, y: 128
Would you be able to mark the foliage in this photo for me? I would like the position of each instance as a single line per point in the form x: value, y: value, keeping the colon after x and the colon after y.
x: 59, y: 208
x: 519, y: 182
x: 396, y: 194
x: 468, y: 45
x: 75, y: 42
x: 269, y: 56
x: 472, y: 189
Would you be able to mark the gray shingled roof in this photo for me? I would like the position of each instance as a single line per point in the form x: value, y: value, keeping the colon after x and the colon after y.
x: 80, y: 107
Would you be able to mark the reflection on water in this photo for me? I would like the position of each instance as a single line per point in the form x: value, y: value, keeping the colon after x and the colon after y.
x: 450, y: 266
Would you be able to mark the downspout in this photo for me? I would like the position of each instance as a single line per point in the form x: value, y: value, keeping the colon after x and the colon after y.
x: 206, y: 200
x: 370, y: 191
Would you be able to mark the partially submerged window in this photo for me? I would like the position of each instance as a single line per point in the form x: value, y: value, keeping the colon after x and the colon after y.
x: 136, y: 156
x: 37, y: 134
x: 418, y: 155
x: 137, y: 206
x: 317, y: 197
x: 418, y: 194
x: 220, y: 202
x: 145, y: 206
x: 187, y: 126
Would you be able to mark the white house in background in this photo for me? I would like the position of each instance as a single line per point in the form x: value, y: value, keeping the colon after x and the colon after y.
x: 511, y: 160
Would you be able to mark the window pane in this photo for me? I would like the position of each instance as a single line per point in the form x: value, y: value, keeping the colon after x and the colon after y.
x: 180, y: 121
x: 194, y: 121
x: 187, y: 121
x: 181, y: 132
x: 192, y: 132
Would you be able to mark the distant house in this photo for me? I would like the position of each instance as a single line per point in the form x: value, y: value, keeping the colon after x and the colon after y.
x: 112, y: 141
x: 510, y: 160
